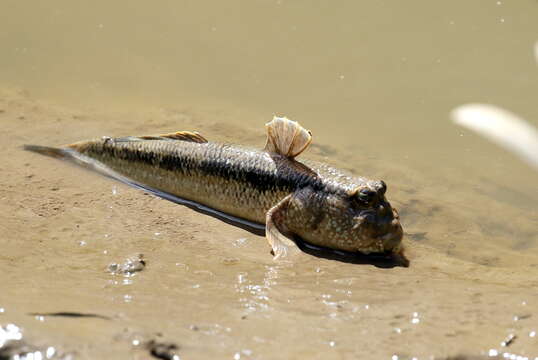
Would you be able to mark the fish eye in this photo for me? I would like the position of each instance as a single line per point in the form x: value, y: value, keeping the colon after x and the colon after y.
x: 366, y: 196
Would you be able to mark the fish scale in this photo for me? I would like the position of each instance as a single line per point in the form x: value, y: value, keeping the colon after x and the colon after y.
x: 242, y: 182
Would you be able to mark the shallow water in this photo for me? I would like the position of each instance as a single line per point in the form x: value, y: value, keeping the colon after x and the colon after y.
x: 373, y: 81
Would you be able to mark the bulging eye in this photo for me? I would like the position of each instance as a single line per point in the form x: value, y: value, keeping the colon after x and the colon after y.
x: 366, y: 196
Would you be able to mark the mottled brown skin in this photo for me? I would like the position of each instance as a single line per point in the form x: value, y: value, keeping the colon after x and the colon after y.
x: 340, y: 221
x: 328, y: 206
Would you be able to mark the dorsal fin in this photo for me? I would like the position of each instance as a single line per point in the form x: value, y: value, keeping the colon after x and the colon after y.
x: 180, y: 135
x: 286, y: 137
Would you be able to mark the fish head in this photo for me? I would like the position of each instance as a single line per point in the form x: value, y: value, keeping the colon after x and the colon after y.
x: 376, y: 224
x: 360, y: 219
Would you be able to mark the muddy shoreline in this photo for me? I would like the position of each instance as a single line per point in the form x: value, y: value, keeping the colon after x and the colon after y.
x: 213, y: 290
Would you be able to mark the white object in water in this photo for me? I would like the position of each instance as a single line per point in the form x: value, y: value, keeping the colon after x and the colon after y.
x: 502, y: 127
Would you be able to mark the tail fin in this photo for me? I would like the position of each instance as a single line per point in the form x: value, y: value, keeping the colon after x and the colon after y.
x: 286, y: 137
x: 74, y: 156
x: 48, y: 151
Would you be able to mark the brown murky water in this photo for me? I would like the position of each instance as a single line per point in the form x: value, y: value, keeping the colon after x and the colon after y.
x: 374, y: 81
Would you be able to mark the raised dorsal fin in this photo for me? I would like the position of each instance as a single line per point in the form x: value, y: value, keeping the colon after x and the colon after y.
x: 286, y: 137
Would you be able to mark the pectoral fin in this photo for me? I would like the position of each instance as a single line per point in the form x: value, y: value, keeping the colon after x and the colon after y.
x: 286, y: 137
x: 276, y: 232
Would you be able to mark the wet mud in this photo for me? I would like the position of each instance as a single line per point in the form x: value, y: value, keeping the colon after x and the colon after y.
x: 212, y: 290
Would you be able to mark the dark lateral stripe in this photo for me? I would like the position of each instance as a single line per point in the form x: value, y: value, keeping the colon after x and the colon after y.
x: 285, y: 178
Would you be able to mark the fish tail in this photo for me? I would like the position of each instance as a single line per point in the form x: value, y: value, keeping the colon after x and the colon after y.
x: 48, y: 151
x: 70, y: 154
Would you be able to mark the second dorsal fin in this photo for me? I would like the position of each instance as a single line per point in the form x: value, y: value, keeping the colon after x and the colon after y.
x: 286, y: 137
x: 180, y: 135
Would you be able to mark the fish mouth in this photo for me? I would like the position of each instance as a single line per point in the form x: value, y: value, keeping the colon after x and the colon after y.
x: 393, y: 236
x: 383, y: 230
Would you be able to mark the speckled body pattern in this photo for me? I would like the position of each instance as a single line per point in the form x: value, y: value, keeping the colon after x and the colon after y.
x: 246, y: 183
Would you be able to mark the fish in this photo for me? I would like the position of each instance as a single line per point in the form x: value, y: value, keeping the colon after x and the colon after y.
x: 265, y: 189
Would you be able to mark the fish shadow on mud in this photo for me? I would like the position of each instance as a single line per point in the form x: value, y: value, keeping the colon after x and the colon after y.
x: 382, y: 260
